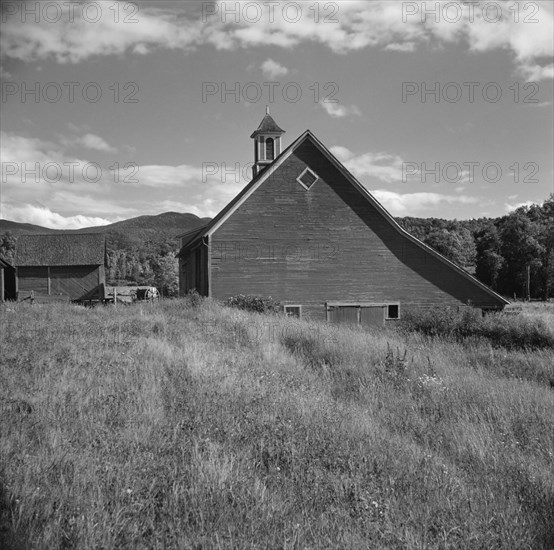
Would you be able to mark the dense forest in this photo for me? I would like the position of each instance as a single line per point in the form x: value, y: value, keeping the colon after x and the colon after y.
x: 514, y: 254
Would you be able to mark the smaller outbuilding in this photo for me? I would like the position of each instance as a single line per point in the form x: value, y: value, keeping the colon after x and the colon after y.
x: 62, y: 267
x: 7, y: 281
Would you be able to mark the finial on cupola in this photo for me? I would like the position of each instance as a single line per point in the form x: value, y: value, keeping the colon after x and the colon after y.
x: 267, y: 143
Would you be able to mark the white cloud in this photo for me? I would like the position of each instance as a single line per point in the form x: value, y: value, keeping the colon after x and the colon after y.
x: 92, y: 141
x: 4, y: 75
x: 42, y: 184
x: 357, y: 25
x: 511, y: 207
x: 383, y: 166
x: 75, y: 38
x: 168, y: 176
x: 410, y: 204
x: 339, y: 111
x: 342, y: 153
x: 401, y: 47
x: 534, y: 72
x: 273, y: 70
x: 41, y: 215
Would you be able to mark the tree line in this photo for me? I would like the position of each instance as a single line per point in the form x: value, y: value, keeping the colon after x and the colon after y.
x: 513, y: 254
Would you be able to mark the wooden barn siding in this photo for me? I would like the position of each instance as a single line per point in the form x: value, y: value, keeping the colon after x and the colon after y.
x: 66, y: 281
x: 348, y: 251
x: 193, y: 271
x: 32, y: 278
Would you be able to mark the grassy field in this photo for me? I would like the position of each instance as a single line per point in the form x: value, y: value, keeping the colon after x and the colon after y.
x: 173, y: 426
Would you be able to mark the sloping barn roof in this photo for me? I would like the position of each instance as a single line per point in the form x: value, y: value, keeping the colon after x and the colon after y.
x: 65, y: 249
x: 191, y: 235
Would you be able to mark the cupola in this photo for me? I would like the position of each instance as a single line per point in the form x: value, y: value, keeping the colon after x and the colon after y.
x: 267, y: 143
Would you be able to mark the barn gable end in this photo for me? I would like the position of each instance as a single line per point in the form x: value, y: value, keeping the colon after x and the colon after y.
x: 306, y: 232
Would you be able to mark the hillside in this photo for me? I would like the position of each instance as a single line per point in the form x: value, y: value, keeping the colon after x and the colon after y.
x: 132, y: 233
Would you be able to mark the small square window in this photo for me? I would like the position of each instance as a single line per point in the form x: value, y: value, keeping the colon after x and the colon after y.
x: 293, y: 311
x: 307, y: 178
x: 393, y: 311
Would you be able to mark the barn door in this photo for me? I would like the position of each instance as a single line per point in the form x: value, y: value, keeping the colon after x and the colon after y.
x: 366, y: 315
x: 344, y: 315
x: 372, y: 316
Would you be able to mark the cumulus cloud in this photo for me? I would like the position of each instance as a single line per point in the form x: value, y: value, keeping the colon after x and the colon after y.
x: 80, y: 35
x: 383, y: 166
x: 273, y: 70
x: 357, y: 25
x: 403, y: 47
x: 533, y: 72
x: 41, y: 215
x: 404, y: 204
x: 42, y: 184
x: 4, y: 75
x: 511, y: 207
x: 336, y: 110
x: 342, y: 153
x: 96, y: 143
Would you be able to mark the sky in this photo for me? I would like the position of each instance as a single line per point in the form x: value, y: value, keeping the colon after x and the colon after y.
x: 112, y: 110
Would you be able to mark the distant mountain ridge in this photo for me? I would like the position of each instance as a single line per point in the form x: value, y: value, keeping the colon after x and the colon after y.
x: 134, y: 232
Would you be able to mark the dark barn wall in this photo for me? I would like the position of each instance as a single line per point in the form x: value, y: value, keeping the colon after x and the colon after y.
x: 67, y: 282
x: 7, y: 282
x: 193, y: 271
x: 32, y: 278
x: 325, y: 244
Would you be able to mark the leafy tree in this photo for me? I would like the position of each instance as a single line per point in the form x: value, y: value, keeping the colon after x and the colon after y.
x: 489, y: 261
x: 543, y: 218
x: 7, y: 246
x: 520, y: 248
x: 458, y: 246
x: 167, y: 275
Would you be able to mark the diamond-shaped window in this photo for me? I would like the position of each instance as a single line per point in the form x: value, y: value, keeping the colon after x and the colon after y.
x: 307, y: 178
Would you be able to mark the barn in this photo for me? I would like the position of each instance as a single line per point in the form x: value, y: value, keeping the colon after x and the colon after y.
x: 305, y: 232
x: 59, y: 267
x: 7, y: 281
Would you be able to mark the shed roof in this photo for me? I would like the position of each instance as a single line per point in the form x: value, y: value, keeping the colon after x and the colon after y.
x: 64, y: 249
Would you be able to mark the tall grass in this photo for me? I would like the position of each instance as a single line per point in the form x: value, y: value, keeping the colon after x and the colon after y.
x: 510, y: 332
x: 186, y: 425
